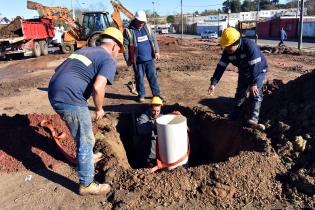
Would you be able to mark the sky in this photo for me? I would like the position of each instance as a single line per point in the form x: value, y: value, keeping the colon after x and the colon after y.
x: 13, y: 8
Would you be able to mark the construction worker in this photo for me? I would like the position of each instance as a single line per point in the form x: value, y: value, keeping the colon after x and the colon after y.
x: 252, y: 66
x: 85, y: 71
x: 141, y: 48
x: 283, y: 36
x: 146, y: 128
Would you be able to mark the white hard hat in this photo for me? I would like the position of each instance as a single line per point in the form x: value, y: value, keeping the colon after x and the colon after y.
x: 141, y: 16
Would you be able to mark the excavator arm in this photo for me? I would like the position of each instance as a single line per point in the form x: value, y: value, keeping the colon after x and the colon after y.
x: 57, y: 13
x: 118, y: 7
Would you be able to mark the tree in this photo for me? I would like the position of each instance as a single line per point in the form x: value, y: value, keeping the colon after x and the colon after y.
x: 248, y: 5
x: 170, y: 19
x: 151, y: 14
x: 266, y: 5
x: 209, y: 12
x: 226, y: 6
x: 310, y: 6
x: 291, y: 4
x: 275, y: 2
x: 233, y: 5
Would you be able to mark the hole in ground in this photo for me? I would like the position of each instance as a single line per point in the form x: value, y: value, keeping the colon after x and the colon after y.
x: 212, y: 138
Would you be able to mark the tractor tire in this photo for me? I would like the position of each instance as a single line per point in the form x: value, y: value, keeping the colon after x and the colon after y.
x: 67, y: 48
x: 43, y: 47
x: 36, y: 49
x: 94, y: 40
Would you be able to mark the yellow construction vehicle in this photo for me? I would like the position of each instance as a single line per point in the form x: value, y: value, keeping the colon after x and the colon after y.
x: 86, y: 34
x: 77, y: 35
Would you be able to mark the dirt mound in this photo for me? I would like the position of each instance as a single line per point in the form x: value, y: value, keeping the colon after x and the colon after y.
x: 272, y: 85
x: 230, y: 166
x: 14, y: 29
x: 172, y: 44
x: 280, y: 50
x: 26, y: 145
x: 224, y: 174
x: 167, y: 40
x: 289, y: 114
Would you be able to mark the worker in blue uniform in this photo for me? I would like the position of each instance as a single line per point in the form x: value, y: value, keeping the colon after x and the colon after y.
x: 252, y: 66
x: 86, y: 72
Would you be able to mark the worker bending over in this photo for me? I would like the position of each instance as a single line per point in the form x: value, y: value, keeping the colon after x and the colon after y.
x: 252, y: 66
x: 85, y: 71
x: 146, y: 128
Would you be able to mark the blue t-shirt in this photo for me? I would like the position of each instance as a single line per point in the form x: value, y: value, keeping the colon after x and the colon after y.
x: 74, y: 78
x: 143, y: 45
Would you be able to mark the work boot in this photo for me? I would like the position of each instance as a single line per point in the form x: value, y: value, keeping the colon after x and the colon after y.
x: 141, y: 99
x: 163, y: 99
x: 132, y: 88
x: 94, y: 189
x: 255, y: 109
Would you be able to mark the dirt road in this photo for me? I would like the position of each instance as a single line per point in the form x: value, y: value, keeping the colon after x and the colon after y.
x: 241, y: 171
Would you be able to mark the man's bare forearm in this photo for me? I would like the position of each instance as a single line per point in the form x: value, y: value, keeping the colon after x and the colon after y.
x: 98, y: 98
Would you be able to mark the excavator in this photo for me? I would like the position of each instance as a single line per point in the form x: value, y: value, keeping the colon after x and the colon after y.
x: 118, y: 7
x: 93, y: 24
x: 77, y: 36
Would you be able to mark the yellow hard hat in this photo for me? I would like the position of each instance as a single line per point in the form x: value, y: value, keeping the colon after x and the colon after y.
x: 229, y: 36
x: 116, y: 35
x: 157, y: 101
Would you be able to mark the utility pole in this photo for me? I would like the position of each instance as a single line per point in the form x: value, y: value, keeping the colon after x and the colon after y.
x: 182, y: 17
x: 301, y: 25
x: 218, y: 22
x: 229, y: 11
x: 73, y: 15
x: 297, y: 9
x: 257, y: 18
x: 228, y: 23
x: 154, y: 17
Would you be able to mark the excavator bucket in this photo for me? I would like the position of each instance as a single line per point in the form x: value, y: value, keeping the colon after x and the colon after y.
x: 32, y: 5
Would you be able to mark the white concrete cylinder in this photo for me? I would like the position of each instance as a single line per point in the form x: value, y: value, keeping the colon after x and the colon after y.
x: 172, y: 139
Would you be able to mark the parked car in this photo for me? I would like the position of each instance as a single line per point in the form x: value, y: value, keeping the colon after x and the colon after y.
x: 209, y: 35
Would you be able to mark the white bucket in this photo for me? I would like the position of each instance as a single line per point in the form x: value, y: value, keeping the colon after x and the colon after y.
x: 172, y: 139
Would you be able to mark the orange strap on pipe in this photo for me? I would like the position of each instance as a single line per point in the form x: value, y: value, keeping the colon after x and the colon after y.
x: 161, y: 165
x: 56, y: 138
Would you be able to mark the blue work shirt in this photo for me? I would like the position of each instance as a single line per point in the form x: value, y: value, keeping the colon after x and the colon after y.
x: 74, y: 78
x: 248, y: 58
x: 144, y: 49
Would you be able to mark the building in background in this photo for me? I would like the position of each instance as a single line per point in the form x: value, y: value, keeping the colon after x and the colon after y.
x: 271, y: 28
x: 269, y: 23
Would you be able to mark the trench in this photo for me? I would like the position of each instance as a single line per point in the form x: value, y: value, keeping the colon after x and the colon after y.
x: 212, y: 139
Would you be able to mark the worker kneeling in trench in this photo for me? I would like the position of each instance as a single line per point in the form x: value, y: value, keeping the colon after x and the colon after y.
x: 146, y: 128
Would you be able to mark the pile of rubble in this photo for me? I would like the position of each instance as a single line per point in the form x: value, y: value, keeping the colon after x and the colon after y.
x: 289, y: 115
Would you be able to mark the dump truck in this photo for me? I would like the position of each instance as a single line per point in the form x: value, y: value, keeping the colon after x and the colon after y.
x: 26, y: 37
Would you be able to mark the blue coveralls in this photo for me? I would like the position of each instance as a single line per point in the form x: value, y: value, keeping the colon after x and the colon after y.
x: 147, y: 130
x: 252, y: 66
